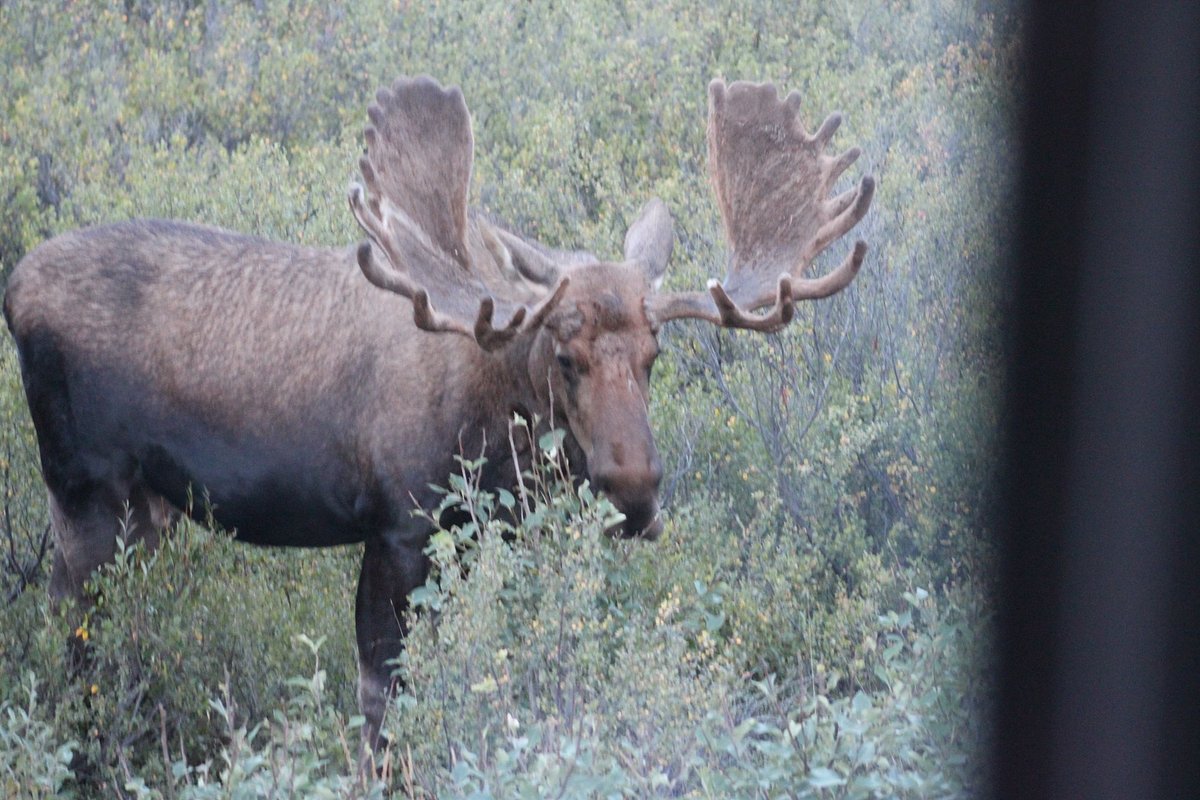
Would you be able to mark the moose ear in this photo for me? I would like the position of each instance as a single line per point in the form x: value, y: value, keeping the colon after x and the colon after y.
x: 650, y: 239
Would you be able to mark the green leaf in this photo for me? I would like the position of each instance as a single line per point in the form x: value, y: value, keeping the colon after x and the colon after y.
x: 824, y: 778
x: 549, y: 443
x: 313, y: 646
x: 914, y: 598
x: 426, y: 597
x: 506, y: 498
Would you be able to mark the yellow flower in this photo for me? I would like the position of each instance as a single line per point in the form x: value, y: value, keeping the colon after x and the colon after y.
x: 82, y: 632
x: 95, y: 689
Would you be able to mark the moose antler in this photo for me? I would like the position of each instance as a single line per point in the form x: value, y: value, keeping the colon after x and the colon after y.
x: 771, y: 179
x: 417, y: 170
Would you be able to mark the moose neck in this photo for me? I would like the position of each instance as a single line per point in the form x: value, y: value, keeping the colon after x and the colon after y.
x: 506, y: 392
x: 514, y: 371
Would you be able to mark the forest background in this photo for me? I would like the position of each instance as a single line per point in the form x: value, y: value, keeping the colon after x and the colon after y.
x: 813, y: 622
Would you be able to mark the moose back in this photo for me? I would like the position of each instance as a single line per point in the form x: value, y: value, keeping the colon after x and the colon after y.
x: 311, y: 396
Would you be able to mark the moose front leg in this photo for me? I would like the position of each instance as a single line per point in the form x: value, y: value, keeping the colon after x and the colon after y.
x: 390, y: 571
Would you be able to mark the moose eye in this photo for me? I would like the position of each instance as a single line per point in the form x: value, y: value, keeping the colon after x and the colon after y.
x: 566, y: 363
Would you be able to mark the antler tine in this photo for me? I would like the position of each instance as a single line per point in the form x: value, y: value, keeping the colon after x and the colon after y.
x: 828, y: 127
x: 371, y: 221
x: 772, y: 179
x: 548, y: 303
x: 427, y: 318
x: 789, y: 291
x: 412, y: 204
x: 393, y: 280
x: 846, y: 218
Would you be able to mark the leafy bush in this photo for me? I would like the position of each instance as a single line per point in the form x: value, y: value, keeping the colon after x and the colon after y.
x: 574, y: 665
x: 199, y: 618
x: 35, y: 763
x: 307, y: 749
x: 569, y: 664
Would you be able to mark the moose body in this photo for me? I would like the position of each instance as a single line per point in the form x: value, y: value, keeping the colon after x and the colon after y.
x: 179, y: 359
x: 311, y: 396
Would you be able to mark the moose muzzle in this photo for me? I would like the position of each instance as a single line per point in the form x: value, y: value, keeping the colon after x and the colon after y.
x: 632, y: 487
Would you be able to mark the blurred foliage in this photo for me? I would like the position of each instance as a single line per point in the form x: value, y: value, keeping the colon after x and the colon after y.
x: 572, y: 665
x: 810, y: 624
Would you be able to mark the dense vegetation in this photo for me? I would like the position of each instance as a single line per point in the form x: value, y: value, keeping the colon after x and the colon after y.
x: 811, y: 623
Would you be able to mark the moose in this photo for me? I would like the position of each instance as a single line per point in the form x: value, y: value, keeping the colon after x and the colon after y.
x: 312, y: 395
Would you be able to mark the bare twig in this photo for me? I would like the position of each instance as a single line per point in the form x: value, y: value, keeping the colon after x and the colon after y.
x: 166, y: 752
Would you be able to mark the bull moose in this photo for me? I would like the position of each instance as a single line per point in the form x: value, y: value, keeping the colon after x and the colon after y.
x: 164, y: 361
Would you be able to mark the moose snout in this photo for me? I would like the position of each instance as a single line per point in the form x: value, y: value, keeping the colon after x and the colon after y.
x: 633, y: 489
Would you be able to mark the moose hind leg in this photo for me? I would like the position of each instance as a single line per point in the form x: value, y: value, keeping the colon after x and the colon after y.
x: 85, y: 535
x: 84, y: 539
x: 389, y: 573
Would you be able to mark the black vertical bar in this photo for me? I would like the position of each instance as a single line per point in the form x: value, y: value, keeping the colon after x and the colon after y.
x: 1098, y: 627
x: 1048, y: 250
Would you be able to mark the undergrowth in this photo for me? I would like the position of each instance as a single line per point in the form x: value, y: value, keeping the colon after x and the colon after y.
x: 546, y: 659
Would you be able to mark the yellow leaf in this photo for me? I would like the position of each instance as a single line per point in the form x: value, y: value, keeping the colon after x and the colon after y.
x: 485, y: 686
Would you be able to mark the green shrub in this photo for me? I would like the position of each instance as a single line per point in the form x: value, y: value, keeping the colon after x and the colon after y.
x: 22, y: 493
x: 574, y: 665
x: 201, y: 617
x: 307, y: 749
x: 917, y: 735
x: 35, y: 763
